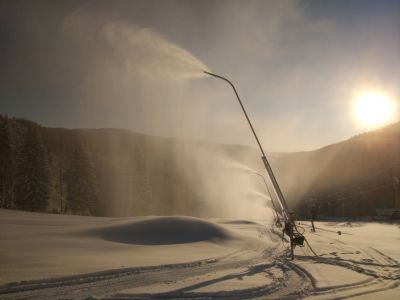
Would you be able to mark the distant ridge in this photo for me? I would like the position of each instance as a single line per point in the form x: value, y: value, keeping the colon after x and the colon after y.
x: 357, y: 172
x: 116, y: 172
x: 108, y: 172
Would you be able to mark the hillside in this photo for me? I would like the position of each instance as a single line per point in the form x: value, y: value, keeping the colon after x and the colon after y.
x: 113, y: 172
x: 350, y: 178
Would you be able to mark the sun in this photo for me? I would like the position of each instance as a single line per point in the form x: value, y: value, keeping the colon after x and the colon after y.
x: 373, y: 109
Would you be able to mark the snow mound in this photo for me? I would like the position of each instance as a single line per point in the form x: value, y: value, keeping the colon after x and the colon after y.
x: 241, y: 222
x: 166, y: 231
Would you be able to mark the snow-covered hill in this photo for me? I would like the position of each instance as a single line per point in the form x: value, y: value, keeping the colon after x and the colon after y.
x: 76, y: 257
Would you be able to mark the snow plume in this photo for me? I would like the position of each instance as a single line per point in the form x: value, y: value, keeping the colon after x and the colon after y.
x: 229, y: 186
x: 241, y: 167
x: 132, y: 47
x: 137, y: 74
x: 126, y: 76
x: 158, y: 54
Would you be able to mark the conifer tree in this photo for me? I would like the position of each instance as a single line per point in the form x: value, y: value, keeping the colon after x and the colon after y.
x: 6, y: 174
x: 32, y: 169
x: 82, y: 191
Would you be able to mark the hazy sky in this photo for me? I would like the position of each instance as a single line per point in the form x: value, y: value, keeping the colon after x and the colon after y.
x: 126, y: 64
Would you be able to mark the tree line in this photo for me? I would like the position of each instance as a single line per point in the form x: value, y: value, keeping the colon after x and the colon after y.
x: 33, y: 178
x: 102, y: 172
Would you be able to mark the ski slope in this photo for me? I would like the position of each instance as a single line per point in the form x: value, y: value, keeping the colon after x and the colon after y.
x: 75, y: 257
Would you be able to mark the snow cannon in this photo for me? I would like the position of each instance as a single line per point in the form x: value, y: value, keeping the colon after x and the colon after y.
x: 290, y: 227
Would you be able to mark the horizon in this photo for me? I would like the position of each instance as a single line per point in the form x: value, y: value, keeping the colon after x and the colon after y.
x: 374, y: 130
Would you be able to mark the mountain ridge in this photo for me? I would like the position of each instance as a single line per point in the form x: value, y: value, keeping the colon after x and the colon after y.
x: 121, y: 172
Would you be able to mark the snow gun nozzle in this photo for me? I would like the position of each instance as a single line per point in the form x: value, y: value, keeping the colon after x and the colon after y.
x: 220, y: 77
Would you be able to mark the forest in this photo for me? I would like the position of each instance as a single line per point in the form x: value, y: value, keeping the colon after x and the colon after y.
x: 114, y: 172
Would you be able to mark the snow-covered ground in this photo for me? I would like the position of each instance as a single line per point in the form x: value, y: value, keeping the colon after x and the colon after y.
x: 75, y: 257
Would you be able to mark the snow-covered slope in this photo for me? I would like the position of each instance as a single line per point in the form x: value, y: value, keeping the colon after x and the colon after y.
x: 61, y: 256
x: 35, y: 246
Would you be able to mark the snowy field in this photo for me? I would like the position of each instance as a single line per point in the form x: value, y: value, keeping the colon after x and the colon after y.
x: 75, y: 257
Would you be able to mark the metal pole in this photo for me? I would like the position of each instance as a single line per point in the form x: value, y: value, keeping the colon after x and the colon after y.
x: 282, y: 201
x: 272, y: 200
x: 311, y: 208
x: 61, y: 188
x: 397, y: 195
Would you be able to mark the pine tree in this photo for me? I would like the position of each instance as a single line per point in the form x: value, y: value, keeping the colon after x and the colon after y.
x: 6, y: 174
x: 82, y: 191
x: 32, y: 170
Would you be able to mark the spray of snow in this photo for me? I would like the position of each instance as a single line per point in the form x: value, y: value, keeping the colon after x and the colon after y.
x: 160, y: 54
x: 241, y: 167
x: 140, y: 76
x: 134, y: 48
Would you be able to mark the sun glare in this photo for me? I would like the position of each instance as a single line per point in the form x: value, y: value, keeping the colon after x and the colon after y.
x: 373, y: 109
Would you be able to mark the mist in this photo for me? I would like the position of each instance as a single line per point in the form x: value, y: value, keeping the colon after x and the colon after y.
x: 135, y: 71
x: 138, y: 65
x: 119, y: 74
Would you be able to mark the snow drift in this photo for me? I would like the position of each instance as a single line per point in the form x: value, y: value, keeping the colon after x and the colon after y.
x: 166, y: 231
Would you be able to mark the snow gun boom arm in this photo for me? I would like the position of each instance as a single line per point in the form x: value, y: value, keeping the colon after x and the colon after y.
x: 271, y: 176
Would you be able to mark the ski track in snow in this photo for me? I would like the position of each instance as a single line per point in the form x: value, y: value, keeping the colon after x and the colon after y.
x: 295, y: 281
x: 284, y: 279
x: 109, y: 282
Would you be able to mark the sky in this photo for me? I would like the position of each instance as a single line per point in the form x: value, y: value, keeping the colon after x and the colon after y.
x: 138, y: 65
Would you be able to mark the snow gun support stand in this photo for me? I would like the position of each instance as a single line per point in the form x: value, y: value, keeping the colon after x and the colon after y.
x: 296, y: 239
